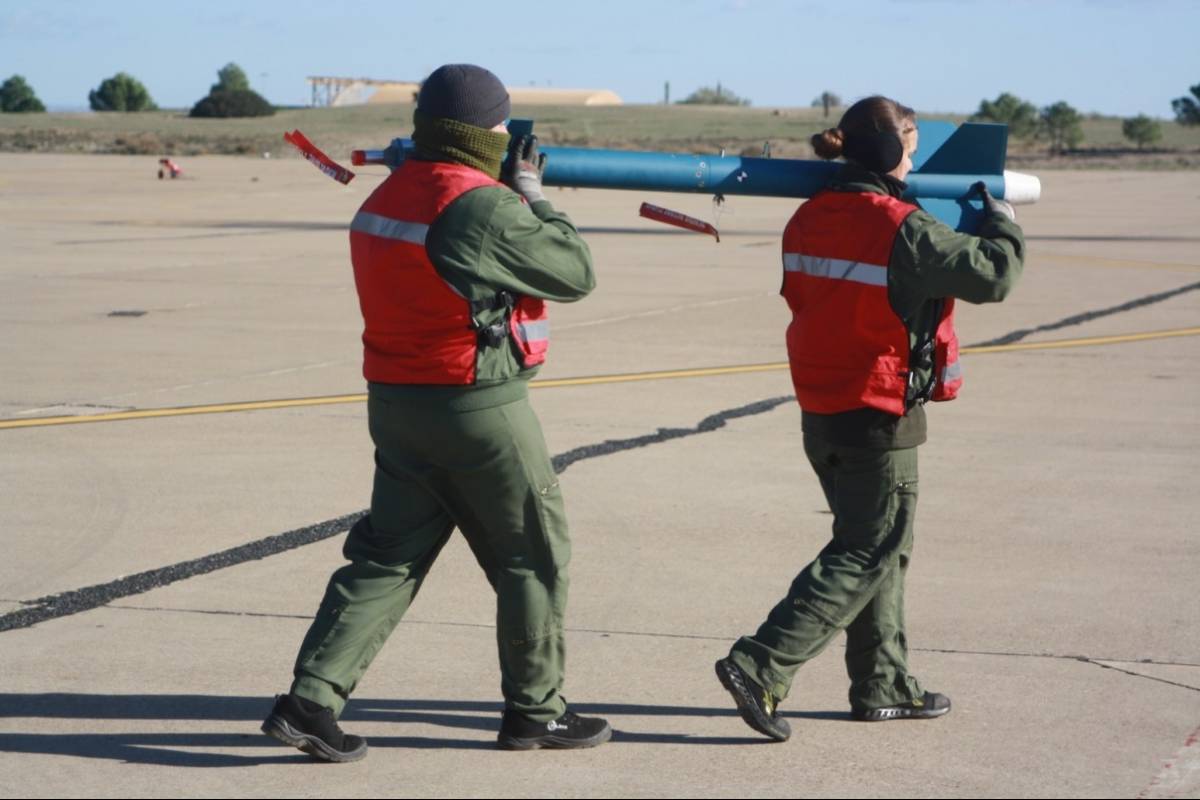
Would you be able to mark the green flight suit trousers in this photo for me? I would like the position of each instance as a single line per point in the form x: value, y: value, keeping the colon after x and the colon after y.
x: 855, y: 584
x: 487, y: 472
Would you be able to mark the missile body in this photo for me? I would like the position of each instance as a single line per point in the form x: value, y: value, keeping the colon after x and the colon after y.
x: 948, y: 162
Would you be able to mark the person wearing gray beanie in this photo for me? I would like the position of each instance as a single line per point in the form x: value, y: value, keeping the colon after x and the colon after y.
x: 465, y: 93
x: 453, y: 269
x: 459, y: 117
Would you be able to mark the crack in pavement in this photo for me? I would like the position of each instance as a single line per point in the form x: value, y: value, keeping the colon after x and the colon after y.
x: 1088, y: 316
x: 78, y: 600
x: 1098, y: 663
x: 1091, y: 660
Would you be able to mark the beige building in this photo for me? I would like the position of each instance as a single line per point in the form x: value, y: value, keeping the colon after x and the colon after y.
x: 332, y: 91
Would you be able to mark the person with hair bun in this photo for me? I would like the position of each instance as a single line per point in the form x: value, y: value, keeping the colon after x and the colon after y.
x: 871, y: 280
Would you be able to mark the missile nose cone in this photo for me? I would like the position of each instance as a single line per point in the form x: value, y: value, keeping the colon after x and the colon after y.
x: 1021, y: 189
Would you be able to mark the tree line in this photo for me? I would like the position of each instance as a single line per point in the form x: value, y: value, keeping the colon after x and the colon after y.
x: 230, y: 96
x: 1061, y: 124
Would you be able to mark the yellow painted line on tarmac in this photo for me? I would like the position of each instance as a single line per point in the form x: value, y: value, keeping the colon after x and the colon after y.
x: 182, y: 411
x: 594, y: 380
x: 1090, y: 341
x: 705, y: 372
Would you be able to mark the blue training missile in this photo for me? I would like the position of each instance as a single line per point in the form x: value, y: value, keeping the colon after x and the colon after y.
x: 949, y: 161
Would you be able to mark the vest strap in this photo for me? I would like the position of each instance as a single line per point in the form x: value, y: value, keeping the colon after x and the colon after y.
x: 494, y: 303
x: 493, y: 335
x: 923, y: 356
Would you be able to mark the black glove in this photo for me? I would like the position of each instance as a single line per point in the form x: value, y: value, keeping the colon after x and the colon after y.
x: 525, y: 169
x: 991, y: 204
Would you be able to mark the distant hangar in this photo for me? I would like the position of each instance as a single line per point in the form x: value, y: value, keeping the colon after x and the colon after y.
x: 335, y: 91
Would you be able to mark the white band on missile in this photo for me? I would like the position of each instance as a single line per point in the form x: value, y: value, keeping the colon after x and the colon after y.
x: 1021, y: 189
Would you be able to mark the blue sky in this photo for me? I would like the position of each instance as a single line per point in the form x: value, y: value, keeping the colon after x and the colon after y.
x: 1118, y: 57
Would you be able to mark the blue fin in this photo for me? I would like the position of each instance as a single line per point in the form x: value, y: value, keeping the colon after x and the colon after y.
x: 974, y: 148
x: 962, y: 215
x: 932, y: 135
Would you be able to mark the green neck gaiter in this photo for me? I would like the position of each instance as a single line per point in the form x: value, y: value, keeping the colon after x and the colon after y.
x: 439, y: 139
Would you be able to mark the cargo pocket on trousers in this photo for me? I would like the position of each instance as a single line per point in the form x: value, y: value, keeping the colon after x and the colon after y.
x: 552, y: 516
x: 325, y: 625
x: 866, y: 499
x: 905, y: 517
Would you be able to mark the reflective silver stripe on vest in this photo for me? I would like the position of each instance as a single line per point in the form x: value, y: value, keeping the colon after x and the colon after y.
x: 534, y: 331
x: 836, y: 268
x: 952, y: 372
x: 388, y: 228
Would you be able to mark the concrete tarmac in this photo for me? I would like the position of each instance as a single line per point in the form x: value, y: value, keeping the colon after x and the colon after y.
x: 147, y: 616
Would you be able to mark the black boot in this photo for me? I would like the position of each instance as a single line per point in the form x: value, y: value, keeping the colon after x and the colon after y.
x: 928, y: 706
x: 568, y: 732
x: 311, y: 727
x: 755, y: 703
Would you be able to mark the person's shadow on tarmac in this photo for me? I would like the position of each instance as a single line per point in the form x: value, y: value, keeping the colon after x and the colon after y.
x: 175, y: 749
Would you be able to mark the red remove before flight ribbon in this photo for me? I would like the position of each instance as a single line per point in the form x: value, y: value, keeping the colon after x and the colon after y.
x: 660, y: 214
x: 318, y: 159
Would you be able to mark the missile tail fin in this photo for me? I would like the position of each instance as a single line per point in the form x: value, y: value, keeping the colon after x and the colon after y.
x: 973, y: 148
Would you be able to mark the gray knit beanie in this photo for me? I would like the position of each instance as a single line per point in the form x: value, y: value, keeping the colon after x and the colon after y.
x: 464, y: 93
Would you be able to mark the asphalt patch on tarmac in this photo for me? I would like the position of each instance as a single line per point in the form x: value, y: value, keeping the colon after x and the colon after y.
x: 1088, y: 316
x: 72, y: 602
x: 708, y: 424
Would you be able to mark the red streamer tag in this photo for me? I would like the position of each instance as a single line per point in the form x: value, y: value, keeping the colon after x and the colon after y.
x: 660, y: 214
x: 317, y: 158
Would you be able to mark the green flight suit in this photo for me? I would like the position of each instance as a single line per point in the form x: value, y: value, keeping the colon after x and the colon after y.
x: 866, y: 461
x: 471, y: 457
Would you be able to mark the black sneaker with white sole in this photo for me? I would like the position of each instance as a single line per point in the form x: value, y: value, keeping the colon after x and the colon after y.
x: 568, y: 732
x: 755, y: 703
x: 312, y: 727
x: 927, y: 706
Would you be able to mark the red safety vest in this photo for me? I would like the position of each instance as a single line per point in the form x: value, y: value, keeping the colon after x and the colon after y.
x: 417, y: 328
x: 847, y: 347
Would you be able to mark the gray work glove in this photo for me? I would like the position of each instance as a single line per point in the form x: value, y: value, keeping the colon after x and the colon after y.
x: 992, y: 205
x: 525, y: 169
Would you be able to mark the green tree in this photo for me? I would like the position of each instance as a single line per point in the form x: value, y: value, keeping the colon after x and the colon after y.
x: 826, y: 101
x: 244, y: 103
x: 1019, y: 115
x: 231, y: 78
x: 121, y: 92
x: 708, y: 96
x: 1062, y: 125
x: 1142, y: 130
x: 1187, y: 110
x: 231, y: 96
x: 17, y: 96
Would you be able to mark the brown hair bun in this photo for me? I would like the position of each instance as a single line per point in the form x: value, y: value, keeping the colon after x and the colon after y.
x: 829, y: 143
